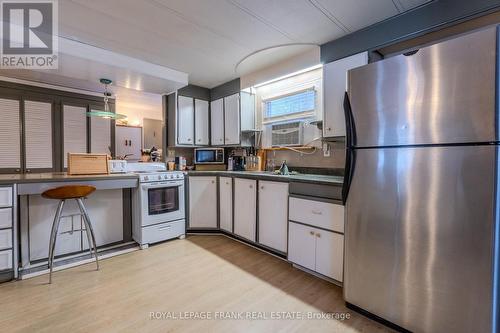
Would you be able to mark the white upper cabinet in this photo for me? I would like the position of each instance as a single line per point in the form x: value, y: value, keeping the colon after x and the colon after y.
x: 128, y: 141
x: 217, y: 122
x: 334, y: 88
x: 10, y: 134
x: 247, y: 111
x: 74, y: 130
x: 100, y: 135
x: 38, y: 135
x: 201, y: 125
x: 273, y: 214
x: 185, y: 120
x: 232, y: 119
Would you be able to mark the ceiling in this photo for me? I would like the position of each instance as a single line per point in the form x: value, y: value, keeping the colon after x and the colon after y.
x: 208, y: 38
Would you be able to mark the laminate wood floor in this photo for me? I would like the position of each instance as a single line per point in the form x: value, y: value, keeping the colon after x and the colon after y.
x: 201, y: 276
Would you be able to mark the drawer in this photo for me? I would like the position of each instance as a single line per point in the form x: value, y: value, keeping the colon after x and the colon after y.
x: 5, y: 260
x: 317, y: 213
x: 5, y: 218
x: 5, y: 196
x: 5, y: 239
x: 163, y: 231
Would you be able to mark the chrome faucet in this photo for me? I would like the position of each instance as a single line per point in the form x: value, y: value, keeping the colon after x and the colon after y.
x: 284, y: 169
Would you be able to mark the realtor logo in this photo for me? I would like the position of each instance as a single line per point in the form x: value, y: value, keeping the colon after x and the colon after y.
x: 29, y: 34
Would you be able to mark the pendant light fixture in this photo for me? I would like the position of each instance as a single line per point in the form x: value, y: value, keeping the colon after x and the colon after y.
x: 106, y: 113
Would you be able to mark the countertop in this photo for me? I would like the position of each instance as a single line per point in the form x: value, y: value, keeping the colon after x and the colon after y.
x: 59, y: 177
x: 303, y: 178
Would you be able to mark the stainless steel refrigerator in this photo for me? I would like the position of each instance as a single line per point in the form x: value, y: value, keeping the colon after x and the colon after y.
x: 422, y: 180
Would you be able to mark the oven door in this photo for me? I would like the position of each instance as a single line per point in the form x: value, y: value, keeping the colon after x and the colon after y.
x: 162, y: 202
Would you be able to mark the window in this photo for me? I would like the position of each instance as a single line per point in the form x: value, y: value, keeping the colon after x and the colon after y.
x: 292, y: 104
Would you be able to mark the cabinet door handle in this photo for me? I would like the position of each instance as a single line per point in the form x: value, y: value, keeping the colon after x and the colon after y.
x: 329, y: 129
x: 317, y: 212
x: 262, y: 187
x: 312, y: 233
x: 251, y: 186
x: 318, y: 235
x: 227, y: 183
x: 189, y: 139
x: 213, y: 181
x: 199, y: 140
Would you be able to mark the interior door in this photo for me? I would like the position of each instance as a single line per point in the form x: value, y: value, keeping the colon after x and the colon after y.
x: 419, y: 236
x: 74, y: 130
x: 100, y: 135
x: 226, y: 203
x: 185, y: 120
x: 273, y: 214
x: 10, y: 135
x: 38, y: 135
x: 232, y: 119
x: 245, y: 203
x: 217, y: 122
x: 202, y: 122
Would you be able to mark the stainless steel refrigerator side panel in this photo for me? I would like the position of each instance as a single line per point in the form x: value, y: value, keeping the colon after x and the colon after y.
x: 419, y: 236
x: 444, y: 93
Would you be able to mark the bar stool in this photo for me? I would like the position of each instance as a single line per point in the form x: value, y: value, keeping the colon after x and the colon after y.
x: 63, y: 193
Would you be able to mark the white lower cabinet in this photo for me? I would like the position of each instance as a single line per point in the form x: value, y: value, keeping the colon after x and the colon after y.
x: 202, y: 202
x: 226, y: 203
x: 245, y: 204
x: 302, y: 245
x: 273, y: 214
x: 329, y: 254
x: 316, y: 249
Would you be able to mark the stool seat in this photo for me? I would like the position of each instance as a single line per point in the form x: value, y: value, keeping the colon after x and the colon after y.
x: 69, y: 192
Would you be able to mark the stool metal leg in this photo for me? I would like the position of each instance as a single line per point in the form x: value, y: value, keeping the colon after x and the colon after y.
x: 53, y: 237
x: 88, y: 226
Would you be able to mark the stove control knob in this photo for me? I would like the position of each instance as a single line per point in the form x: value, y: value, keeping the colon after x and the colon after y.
x: 146, y: 178
x: 178, y: 176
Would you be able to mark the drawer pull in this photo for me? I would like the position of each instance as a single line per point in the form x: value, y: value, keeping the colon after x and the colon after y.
x: 318, y: 235
x: 164, y: 227
x: 312, y: 233
x: 317, y: 212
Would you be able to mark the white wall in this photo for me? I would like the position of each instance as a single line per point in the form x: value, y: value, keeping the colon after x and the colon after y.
x: 137, y: 105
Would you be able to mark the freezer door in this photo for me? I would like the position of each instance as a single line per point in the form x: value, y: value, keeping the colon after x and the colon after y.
x: 444, y: 93
x: 419, y: 237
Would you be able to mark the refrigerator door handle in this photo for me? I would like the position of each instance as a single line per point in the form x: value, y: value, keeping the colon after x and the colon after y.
x: 350, y: 163
x: 350, y: 139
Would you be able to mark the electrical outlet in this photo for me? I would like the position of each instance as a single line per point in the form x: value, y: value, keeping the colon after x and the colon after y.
x: 170, y: 152
x: 326, y: 149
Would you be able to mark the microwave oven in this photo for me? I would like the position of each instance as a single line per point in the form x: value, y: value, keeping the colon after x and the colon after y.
x: 209, y: 156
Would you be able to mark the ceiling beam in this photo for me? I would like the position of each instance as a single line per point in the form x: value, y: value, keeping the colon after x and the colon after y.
x: 430, y: 17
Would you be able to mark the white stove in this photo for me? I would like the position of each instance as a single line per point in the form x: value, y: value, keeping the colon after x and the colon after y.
x: 159, y: 204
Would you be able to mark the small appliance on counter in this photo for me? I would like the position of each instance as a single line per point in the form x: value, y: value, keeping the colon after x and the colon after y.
x: 239, y: 163
x: 180, y: 163
x: 117, y: 166
x: 209, y: 159
x: 87, y: 164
